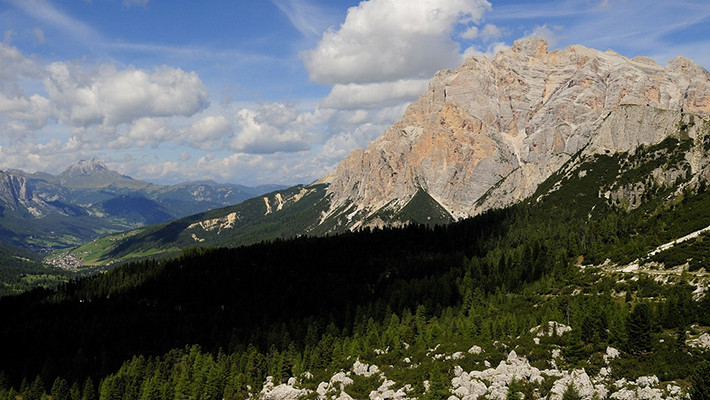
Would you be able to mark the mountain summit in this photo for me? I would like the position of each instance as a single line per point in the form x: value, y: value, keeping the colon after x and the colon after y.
x: 83, y: 167
x: 95, y: 174
x: 488, y: 133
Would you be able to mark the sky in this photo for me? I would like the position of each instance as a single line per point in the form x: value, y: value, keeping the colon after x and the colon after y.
x: 269, y: 91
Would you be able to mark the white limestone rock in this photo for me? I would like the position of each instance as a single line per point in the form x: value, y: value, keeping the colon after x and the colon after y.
x: 340, y: 380
x: 365, y: 369
x: 611, y: 353
x: 553, y: 328
x: 703, y: 341
x: 581, y: 381
x: 283, y: 392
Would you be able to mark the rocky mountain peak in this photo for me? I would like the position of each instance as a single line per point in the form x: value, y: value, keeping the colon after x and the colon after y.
x: 489, y: 132
x: 84, y: 167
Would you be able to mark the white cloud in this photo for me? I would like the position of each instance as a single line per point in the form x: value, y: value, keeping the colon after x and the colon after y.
x: 337, y: 147
x: 274, y: 127
x: 304, y: 16
x: 207, y: 130
x: 489, y: 51
x: 14, y: 65
x: 32, y: 111
x: 550, y: 35
x: 386, y: 40
x: 470, y: 33
x: 488, y: 33
x: 374, y: 95
x: 150, y: 132
x: 110, y: 97
x: 491, y: 32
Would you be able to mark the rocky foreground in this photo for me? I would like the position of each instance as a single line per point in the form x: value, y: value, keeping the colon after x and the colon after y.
x: 493, y: 382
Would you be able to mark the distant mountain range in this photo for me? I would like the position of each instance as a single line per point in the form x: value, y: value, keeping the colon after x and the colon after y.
x: 40, y: 211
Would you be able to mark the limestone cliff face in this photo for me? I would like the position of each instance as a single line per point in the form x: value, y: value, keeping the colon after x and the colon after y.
x: 500, y: 127
x: 16, y: 195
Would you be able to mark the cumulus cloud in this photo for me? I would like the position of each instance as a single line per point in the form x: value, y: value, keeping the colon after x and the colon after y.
x: 32, y: 112
x: 207, y: 130
x: 110, y: 97
x: 274, y: 127
x: 387, y: 40
x: 470, y: 33
x: 488, y: 51
x: 150, y: 132
x: 338, y: 146
x: 488, y: 33
x: 14, y: 65
x: 374, y: 95
x: 23, y: 113
x: 551, y: 35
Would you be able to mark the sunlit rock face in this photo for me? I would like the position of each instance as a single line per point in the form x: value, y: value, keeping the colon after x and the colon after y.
x: 488, y: 133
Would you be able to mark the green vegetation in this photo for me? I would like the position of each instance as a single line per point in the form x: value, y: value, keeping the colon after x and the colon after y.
x: 253, y: 224
x: 20, y: 271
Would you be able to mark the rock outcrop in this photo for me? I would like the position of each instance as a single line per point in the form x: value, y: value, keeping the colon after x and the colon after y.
x: 488, y: 133
x: 489, y: 383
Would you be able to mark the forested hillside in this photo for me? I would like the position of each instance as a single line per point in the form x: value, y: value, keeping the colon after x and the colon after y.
x: 21, y: 271
x: 216, y: 322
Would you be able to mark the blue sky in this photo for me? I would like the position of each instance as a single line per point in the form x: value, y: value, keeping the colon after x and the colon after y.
x: 263, y: 91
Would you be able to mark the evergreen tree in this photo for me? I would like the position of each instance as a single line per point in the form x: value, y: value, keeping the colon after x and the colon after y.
x: 638, y: 328
x: 700, y: 382
x: 437, y: 385
x: 152, y: 388
x: 35, y: 391
x: 571, y: 393
x: 89, y: 390
x: 60, y: 390
x: 75, y: 392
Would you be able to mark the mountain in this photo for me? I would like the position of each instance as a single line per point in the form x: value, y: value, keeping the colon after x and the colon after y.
x: 94, y: 174
x: 486, y: 135
x: 42, y: 212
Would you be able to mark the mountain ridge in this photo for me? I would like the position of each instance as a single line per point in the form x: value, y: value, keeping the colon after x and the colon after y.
x: 518, y: 116
x: 86, y: 200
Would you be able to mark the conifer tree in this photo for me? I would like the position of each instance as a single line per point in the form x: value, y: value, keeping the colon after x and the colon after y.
x: 75, y: 392
x: 60, y: 390
x: 89, y: 390
x: 571, y: 393
x: 700, y: 382
x: 35, y: 391
x: 437, y: 385
x: 638, y: 328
